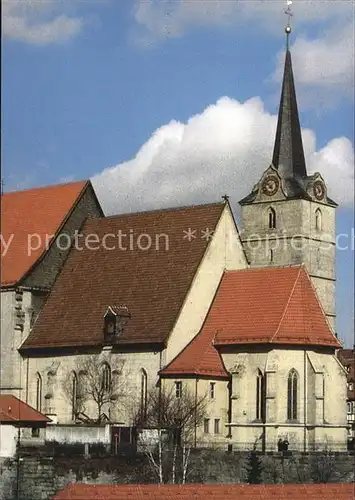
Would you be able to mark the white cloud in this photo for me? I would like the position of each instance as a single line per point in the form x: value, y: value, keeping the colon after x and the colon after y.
x: 222, y: 150
x: 326, y: 63
x: 38, y: 22
x: 162, y: 18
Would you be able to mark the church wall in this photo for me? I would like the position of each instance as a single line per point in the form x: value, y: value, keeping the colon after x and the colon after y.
x: 7, y: 338
x: 15, y: 325
x: 217, y: 407
x: 13, y: 373
x: 277, y: 363
x: 224, y: 252
x: 59, y: 405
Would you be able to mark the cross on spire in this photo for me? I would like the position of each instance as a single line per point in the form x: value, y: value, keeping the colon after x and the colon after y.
x: 288, y: 155
x: 288, y: 28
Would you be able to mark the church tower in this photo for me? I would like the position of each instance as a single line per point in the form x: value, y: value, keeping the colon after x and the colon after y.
x: 288, y: 218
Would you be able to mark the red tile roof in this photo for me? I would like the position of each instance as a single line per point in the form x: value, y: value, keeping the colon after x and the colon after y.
x: 203, y: 491
x: 269, y: 305
x: 265, y: 305
x: 199, y: 357
x: 39, y: 211
x: 151, y: 283
x: 13, y: 411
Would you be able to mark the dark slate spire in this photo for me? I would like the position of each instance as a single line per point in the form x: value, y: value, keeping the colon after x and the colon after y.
x: 288, y: 154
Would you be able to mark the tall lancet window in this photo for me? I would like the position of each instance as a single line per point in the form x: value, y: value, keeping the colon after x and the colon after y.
x: 271, y: 218
x: 74, y: 395
x: 292, y: 392
x: 318, y: 220
x: 39, y: 392
x: 260, y: 397
x: 144, y: 392
x: 106, y: 378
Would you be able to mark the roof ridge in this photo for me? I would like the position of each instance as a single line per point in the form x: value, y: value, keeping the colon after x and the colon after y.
x: 286, y: 306
x: 321, y: 307
x: 48, y: 186
x: 263, y: 268
x: 167, y: 209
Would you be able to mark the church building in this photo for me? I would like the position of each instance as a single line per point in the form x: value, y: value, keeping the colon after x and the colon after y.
x: 182, y: 298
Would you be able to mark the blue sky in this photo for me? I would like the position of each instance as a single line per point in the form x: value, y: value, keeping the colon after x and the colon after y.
x: 130, y: 94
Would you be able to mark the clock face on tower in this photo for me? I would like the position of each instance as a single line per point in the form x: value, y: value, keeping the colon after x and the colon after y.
x: 318, y: 190
x: 270, y: 185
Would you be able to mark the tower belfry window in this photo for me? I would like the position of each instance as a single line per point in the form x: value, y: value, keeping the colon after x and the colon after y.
x: 318, y: 220
x: 272, y: 218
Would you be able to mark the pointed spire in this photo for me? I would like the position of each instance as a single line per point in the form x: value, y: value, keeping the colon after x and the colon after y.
x: 288, y: 154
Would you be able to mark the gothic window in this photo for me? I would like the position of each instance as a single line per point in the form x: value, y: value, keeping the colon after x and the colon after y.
x: 144, y: 379
x: 106, y: 377
x: 212, y: 390
x: 216, y: 425
x: 292, y: 391
x: 206, y: 425
x: 271, y: 255
x: 272, y: 218
x: 318, y: 220
x: 178, y: 389
x: 39, y: 392
x: 74, y: 390
x: 260, y: 396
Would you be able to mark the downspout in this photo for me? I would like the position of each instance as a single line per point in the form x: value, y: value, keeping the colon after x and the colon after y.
x: 195, y: 437
x: 305, y: 402
x: 27, y: 372
x: 229, y: 388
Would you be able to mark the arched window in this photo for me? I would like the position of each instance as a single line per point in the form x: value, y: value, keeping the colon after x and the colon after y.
x: 144, y: 393
x: 74, y: 399
x: 260, y: 397
x: 39, y: 392
x: 318, y: 220
x: 292, y: 391
x: 271, y: 255
x: 272, y: 218
x: 106, y: 377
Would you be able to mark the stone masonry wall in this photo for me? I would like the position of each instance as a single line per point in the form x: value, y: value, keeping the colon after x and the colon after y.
x: 19, y: 308
x: 41, y: 477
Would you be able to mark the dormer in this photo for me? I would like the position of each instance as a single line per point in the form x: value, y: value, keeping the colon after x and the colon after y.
x: 115, y: 319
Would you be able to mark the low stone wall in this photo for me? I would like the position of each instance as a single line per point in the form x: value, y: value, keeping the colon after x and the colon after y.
x: 40, y: 477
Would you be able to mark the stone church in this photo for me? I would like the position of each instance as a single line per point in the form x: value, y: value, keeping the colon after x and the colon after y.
x: 182, y: 298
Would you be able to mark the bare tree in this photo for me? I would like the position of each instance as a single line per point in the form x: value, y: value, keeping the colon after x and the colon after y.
x: 93, y: 385
x: 168, y: 427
